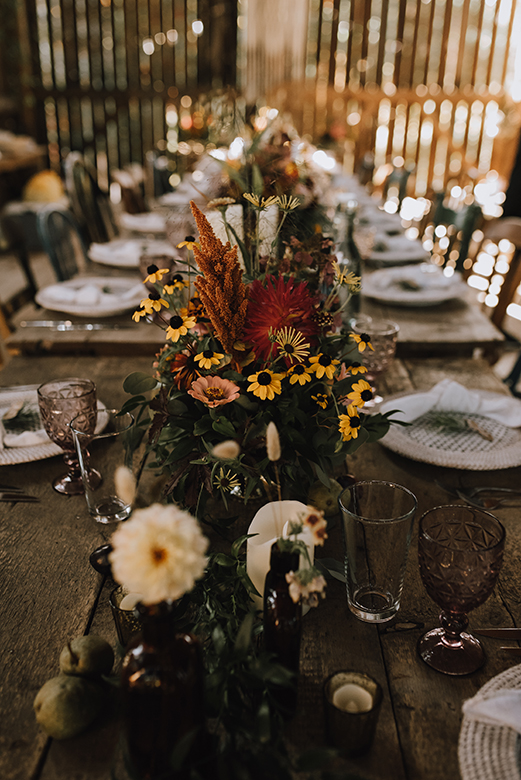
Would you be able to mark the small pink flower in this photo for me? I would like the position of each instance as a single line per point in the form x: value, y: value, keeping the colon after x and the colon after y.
x: 214, y: 391
x: 317, y: 524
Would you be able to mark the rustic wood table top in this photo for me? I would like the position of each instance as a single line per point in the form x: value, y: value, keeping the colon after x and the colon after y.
x: 50, y: 594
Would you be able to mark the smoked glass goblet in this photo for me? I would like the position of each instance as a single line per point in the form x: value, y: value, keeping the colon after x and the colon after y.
x: 460, y: 552
x: 60, y: 401
x: 378, y: 357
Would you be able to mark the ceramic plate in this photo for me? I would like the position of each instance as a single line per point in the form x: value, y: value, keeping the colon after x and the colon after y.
x: 126, y: 253
x: 95, y: 296
x: 398, y: 250
x: 417, y: 285
x: 10, y: 456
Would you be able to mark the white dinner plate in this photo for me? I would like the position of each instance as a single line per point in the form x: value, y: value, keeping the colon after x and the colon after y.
x: 423, y: 440
x: 126, y: 252
x: 92, y: 296
x: 415, y: 285
x: 10, y: 456
x: 489, y: 752
x: 398, y: 250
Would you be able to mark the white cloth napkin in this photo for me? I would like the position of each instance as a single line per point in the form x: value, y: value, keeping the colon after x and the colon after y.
x: 450, y: 396
x: 148, y: 221
x: 26, y: 439
x: 501, y: 708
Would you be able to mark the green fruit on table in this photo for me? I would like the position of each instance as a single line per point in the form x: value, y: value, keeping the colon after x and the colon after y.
x: 87, y: 655
x: 325, y: 499
x: 66, y: 705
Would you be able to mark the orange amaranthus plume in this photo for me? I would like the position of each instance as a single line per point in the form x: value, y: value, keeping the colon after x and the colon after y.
x: 221, y: 289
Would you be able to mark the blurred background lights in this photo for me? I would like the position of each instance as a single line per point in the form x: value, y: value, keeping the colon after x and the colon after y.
x: 324, y: 160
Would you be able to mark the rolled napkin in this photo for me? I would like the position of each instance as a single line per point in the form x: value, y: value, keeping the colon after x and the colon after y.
x: 450, y: 396
x: 501, y: 708
x: 26, y: 439
x: 149, y: 222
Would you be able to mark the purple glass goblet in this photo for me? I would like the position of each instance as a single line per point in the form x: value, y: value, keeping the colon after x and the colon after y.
x: 460, y: 551
x: 60, y: 401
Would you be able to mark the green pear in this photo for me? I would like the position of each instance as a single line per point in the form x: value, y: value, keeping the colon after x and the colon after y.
x: 66, y: 705
x: 323, y: 498
x: 87, y: 655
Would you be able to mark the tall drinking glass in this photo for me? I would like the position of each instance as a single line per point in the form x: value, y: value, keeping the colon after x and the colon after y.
x: 377, y: 519
x: 383, y: 335
x: 60, y: 401
x: 460, y: 552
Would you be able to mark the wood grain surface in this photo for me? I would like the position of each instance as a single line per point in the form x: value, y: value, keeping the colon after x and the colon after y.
x: 49, y: 594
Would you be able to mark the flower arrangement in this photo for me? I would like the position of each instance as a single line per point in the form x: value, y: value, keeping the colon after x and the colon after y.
x: 242, y: 353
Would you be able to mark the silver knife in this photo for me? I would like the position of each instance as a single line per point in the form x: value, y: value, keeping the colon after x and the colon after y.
x: 18, y: 497
x: 498, y: 633
x: 67, y: 325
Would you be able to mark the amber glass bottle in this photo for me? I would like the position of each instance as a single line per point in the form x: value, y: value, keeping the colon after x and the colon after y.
x: 162, y: 693
x: 282, y: 623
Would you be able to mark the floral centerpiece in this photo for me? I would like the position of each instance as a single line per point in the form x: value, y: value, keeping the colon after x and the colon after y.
x: 244, y: 348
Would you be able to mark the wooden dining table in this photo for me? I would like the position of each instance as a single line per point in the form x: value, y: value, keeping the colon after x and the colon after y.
x: 49, y: 594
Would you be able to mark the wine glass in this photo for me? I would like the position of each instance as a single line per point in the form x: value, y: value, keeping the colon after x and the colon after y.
x: 60, y: 401
x: 382, y: 336
x: 460, y: 551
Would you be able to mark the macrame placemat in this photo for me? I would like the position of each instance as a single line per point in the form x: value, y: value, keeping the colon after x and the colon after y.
x: 491, y: 752
x: 426, y: 441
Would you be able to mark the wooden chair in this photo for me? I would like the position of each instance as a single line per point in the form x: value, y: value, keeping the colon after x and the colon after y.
x: 460, y: 227
x: 61, y: 239
x: 509, y: 228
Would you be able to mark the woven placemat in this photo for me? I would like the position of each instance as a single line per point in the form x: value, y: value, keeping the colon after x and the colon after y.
x: 488, y: 752
x: 425, y: 441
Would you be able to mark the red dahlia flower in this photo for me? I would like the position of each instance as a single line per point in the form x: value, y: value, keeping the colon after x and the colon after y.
x: 281, y: 303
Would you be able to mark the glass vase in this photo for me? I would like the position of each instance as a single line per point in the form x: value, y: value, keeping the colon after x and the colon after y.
x: 162, y: 696
x: 283, y: 624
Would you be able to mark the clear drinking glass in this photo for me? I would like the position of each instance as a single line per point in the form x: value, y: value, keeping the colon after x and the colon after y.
x: 377, y: 519
x: 460, y: 552
x: 60, y: 401
x: 383, y: 336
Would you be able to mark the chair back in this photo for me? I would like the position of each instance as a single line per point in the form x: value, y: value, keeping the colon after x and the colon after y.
x: 62, y: 241
x: 90, y: 205
x: 507, y: 228
x: 459, y: 225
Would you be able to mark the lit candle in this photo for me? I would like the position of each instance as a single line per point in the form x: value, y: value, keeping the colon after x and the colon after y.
x: 129, y: 601
x: 352, y: 698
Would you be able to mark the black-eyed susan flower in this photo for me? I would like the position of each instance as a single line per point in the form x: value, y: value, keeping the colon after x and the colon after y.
x: 355, y: 368
x: 363, y: 340
x: 291, y: 344
x: 260, y: 203
x: 179, y: 326
x: 176, y: 283
x: 323, y: 365
x: 349, y: 424
x: 208, y: 358
x: 360, y: 393
x: 138, y: 314
x: 321, y: 399
x: 153, y: 303
x: 189, y: 243
x: 155, y: 274
x: 298, y: 373
x: 265, y: 384
x: 226, y: 480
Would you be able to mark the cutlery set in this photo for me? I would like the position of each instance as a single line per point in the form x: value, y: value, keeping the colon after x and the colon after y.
x: 67, y: 325
x: 501, y: 633
x: 484, y: 497
x: 13, y: 494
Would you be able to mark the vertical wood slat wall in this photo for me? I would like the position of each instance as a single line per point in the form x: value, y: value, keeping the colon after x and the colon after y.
x: 429, y: 82
x: 104, y: 71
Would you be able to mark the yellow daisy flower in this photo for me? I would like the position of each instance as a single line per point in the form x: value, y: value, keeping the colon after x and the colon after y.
x: 363, y: 341
x: 208, y: 358
x: 321, y: 399
x: 260, y: 203
x: 349, y: 424
x: 360, y: 393
x: 155, y: 274
x: 298, y: 373
x: 226, y: 480
x: 179, y: 326
x: 323, y: 365
x: 356, y: 368
x: 138, y: 314
x: 153, y: 303
x: 265, y: 384
x: 291, y: 344
x: 189, y: 243
x: 287, y: 202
